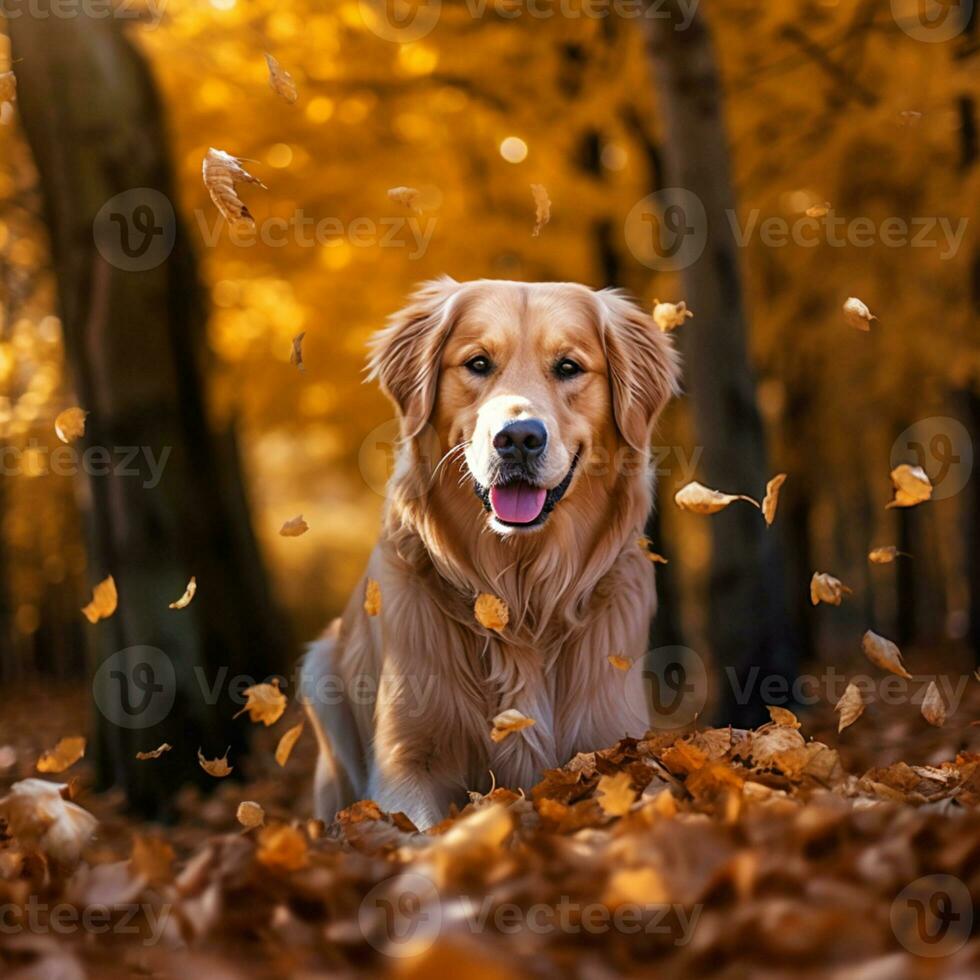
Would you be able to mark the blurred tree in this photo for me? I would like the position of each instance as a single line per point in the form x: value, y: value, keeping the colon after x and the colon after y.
x: 133, y: 337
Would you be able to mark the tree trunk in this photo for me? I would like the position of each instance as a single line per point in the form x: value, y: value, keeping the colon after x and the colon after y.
x: 747, y: 622
x: 133, y: 321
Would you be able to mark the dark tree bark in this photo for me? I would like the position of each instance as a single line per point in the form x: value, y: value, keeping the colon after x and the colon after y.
x: 748, y: 626
x: 134, y: 340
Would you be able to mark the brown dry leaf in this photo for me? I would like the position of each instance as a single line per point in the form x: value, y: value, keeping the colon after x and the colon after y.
x: 70, y: 424
x: 8, y: 86
x: 36, y: 814
x: 250, y: 814
x: 185, y: 600
x: 702, y: 500
x: 215, y: 767
x: 296, y: 354
x: 771, y: 499
x: 818, y: 210
x: 883, y: 653
x: 283, y: 847
x: 616, y: 794
x: 265, y: 703
x: 912, y: 486
x: 670, y: 316
x: 642, y: 887
x: 104, y: 601
x: 289, y: 739
x: 542, y: 208
x: 221, y: 172
x: 885, y: 555
x: 155, y: 753
x: 783, y: 716
x: 933, y: 706
x: 407, y: 196
x: 294, y: 527
x: 63, y: 756
x: 646, y: 546
x: 825, y: 588
x: 280, y: 81
x: 620, y: 662
x: 372, y: 597
x: 153, y: 859
x: 491, y: 612
x: 857, y: 314
x: 850, y: 707
x: 508, y: 722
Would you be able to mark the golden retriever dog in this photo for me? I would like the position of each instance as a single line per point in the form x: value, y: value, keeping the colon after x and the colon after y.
x: 523, y: 471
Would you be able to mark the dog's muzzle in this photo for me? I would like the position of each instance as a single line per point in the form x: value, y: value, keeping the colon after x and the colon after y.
x: 516, y: 502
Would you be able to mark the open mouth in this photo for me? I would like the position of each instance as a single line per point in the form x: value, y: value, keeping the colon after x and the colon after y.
x: 518, y: 503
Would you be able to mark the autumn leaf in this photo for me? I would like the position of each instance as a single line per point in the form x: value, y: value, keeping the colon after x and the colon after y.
x: 104, y: 601
x: 289, y: 739
x: 250, y: 815
x: 221, y: 172
x: 883, y: 653
x: 372, y: 597
x: 783, y: 716
x: 294, y: 527
x: 8, y: 86
x: 701, y: 500
x: 771, y: 499
x: 37, y: 814
x: 283, y: 848
x: 933, y: 706
x: 185, y: 600
x: 491, y: 611
x: 542, y: 208
x: 857, y: 314
x: 153, y: 859
x: 825, y: 588
x: 616, y: 794
x: 280, y: 81
x: 215, y: 767
x: 885, y: 555
x: 670, y: 316
x: 620, y: 663
x: 70, y: 424
x: 154, y: 753
x: 646, y: 546
x: 850, y: 707
x: 265, y: 703
x: 63, y: 756
x: 296, y: 354
x: 508, y: 722
x: 818, y: 210
x: 406, y: 196
x: 912, y: 486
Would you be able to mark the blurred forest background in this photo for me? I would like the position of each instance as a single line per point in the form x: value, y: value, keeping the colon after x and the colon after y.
x: 823, y: 101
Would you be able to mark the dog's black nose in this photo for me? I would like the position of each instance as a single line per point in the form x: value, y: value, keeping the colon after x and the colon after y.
x: 521, y: 441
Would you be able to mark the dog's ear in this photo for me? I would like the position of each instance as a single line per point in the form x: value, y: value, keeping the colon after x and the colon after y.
x: 644, y: 368
x: 405, y: 354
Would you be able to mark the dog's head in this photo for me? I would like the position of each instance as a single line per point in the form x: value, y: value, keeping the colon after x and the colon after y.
x: 526, y: 382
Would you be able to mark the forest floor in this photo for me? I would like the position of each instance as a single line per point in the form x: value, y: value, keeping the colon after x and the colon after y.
x: 784, y: 851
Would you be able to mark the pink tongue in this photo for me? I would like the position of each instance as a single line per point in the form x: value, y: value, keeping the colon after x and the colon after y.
x: 517, y: 503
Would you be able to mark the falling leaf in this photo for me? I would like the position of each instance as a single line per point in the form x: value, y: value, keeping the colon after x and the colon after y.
x: 883, y: 653
x: 185, y: 599
x: 616, y: 794
x: 669, y: 316
x: 63, y: 756
x: 620, y: 663
x: 155, y: 753
x: 36, y: 813
x: 783, y: 716
x: 933, y: 707
x: 646, y: 546
x: 702, y: 500
x: 407, y: 196
x: 826, y: 588
x: 283, y: 847
x: 221, y: 173
x: 542, y: 208
x: 850, y: 706
x: 912, y: 486
x: 280, y: 81
x: 104, y: 601
x: 491, y: 612
x: 265, y: 703
x: 250, y: 814
x: 857, y: 314
x: 285, y: 747
x: 296, y: 355
x: 508, y: 722
x: 153, y: 859
x: 818, y: 210
x: 8, y: 86
x: 910, y: 117
x: 372, y: 597
x: 771, y: 499
x: 70, y: 424
x: 215, y: 767
x: 294, y: 527
x: 886, y: 555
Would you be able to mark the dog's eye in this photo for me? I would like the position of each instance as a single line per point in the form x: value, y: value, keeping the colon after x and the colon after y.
x: 479, y: 364
x: 567, y: 368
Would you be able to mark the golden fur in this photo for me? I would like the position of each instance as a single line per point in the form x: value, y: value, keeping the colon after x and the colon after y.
x: 402, y: 703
